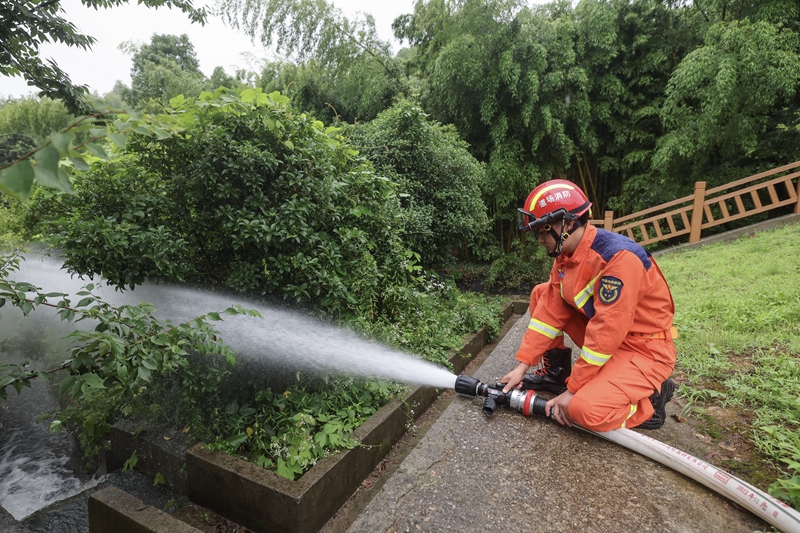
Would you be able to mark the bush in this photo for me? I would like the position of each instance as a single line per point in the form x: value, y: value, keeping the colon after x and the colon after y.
x: 253, y: 196
x: 440, y: 181
x: 517, y: 272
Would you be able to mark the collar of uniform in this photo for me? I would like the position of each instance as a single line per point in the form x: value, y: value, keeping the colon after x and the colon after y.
x: 583, y: 248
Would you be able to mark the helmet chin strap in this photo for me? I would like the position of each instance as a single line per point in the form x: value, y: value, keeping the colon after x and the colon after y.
x: 559, y: 237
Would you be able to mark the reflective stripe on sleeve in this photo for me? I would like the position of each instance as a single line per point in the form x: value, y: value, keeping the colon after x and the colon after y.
x: 594, y: 358
x: 548, y: 331
x: 582, y: 297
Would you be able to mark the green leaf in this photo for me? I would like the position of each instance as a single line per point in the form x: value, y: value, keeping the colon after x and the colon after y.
x: 17, y: 179
x: 46, y: 169
x: 118, y: 139
x: 96, y: 150
x: 79, y: 163
x: 84, y: 302
x: 93, y: 380
x: 131, y: 462
x: 177, y: 101
x: 214, y: 316
x: 278, y: 98
x: 61, y: 141
x: 144, y: 373
x: 361, y: 210
x: 237, y: 440
x: 284, y: 470
x: 159, y: 479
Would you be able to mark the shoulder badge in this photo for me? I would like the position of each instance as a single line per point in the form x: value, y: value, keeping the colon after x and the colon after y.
x: 610, y: 289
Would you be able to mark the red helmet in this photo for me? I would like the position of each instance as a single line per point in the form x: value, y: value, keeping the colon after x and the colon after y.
x: 552, y: 201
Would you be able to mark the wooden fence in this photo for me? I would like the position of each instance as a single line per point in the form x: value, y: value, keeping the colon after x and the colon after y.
x: 705, y: 209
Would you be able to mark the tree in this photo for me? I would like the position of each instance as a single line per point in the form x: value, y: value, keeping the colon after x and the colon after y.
x: 26, y: 24
x: 14, y: 145
x: 507, y: 78
x: 161, y: 70
x: 440, y: 181
x: 34, y: 117
x: 629, y: 50
x: 722, y: 101
x: 220, y: 78
x: 341, y: 68
x: 251, y: 195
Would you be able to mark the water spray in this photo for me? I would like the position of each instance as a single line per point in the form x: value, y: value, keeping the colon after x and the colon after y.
x: 761, y: 504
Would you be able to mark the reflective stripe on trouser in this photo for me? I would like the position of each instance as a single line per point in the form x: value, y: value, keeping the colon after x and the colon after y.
x: 627, y: 379
x: 633, y: 412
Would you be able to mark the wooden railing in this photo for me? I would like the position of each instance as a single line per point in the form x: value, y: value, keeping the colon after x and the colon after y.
x: 705, y: 209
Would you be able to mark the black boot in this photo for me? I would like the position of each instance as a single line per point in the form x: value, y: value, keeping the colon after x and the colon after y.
x: 659, y: 401
x: 552, y: 376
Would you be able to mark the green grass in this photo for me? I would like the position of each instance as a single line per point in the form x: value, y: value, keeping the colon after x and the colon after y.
x: 738, y: 316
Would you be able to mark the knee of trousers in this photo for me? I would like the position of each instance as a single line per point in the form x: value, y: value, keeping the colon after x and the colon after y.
x: 590, y: 415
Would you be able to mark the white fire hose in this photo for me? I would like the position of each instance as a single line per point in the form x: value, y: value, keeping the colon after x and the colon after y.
x: 761, y: 504
x: 756, y: 501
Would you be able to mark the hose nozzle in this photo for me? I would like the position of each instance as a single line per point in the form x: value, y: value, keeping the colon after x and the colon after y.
x: 523, y: 400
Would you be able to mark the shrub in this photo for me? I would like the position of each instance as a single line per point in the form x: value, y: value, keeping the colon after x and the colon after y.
x: 440, y: 181
x: 253, y: 196
x: 518, y: 271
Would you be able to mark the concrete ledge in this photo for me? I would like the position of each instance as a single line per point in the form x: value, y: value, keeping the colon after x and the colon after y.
x: 112, y: 510
x: 264, y: 501
x: 519, y: 307
x: 9, y: 524
x: 159, y: 451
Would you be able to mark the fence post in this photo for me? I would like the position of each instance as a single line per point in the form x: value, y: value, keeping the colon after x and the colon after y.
x: 697, y: 211
x: 797, y: 205
x: 608, y: 222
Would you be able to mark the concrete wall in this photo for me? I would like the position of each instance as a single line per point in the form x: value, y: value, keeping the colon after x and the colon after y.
x: 112, y: 510
x: 8, y: 524
x: 159, y: 450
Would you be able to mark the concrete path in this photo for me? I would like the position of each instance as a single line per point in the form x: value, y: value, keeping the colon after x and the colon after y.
x: 471, y: 473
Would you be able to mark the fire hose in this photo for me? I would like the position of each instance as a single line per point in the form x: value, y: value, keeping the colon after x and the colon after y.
x: 761, y: 504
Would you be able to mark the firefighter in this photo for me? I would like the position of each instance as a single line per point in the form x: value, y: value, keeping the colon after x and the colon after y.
x: 608, y: 294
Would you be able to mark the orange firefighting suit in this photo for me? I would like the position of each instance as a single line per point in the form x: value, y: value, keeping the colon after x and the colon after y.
x: 612, y: 300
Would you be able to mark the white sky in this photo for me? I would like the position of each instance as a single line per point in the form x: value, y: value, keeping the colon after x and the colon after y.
x: 215, y: 44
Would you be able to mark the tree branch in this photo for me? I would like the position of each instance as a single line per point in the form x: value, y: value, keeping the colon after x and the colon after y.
x: 47, y: 4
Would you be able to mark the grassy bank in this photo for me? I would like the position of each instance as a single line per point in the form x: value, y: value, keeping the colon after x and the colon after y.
x: 738, y: 314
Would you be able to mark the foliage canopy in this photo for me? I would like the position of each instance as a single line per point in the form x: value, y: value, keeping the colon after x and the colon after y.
x: 26, y: 24
x: 250, y: 195
x: 440, y: 182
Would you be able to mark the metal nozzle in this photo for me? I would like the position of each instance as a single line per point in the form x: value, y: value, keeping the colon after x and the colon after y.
x: 523, y: 400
